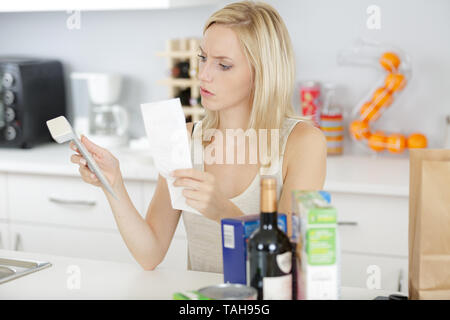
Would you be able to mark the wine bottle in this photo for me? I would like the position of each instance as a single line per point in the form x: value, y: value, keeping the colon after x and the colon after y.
x: 181, y: 70
x: 269, y: 250
x: 185, y: 96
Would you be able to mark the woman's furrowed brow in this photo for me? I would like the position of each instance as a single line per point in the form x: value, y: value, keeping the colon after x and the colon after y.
x: 216, y: 57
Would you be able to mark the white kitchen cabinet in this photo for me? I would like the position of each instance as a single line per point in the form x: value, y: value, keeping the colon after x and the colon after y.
x: 70, y: 242
x: 373, y: 231
x: 372, y: 224
x: 84, y: 243
x: 374, y: 272
x: 50, y: 209
x: 4, y: 225
x: 371, y: 195
x: 38, y: 189
x: 63, y: 200
x: 85, y: 5
x: 3, y: 197
x: 5, y: 236
x: 65, y: 216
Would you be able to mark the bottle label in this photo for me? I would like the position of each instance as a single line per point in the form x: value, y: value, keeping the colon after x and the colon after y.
x: 284, y: 261
x: 277, y: 288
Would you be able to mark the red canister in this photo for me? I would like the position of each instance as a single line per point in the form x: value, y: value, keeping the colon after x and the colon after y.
x: 310, y: 100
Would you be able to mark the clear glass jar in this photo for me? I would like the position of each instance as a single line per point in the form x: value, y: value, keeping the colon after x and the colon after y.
x: 331, y: 121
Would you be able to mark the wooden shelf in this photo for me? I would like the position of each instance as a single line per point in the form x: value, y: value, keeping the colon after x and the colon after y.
x: 184, y: 49
x: 193, y: 110
x: 179, y: 82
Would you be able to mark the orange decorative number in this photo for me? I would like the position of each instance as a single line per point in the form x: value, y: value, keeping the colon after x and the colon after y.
x: 396, y: 69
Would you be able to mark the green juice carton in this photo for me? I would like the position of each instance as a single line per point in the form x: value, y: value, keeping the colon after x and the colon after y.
x: 315, y: 227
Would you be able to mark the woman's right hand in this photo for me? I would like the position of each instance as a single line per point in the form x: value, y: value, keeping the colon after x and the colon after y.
x: 106, y: 161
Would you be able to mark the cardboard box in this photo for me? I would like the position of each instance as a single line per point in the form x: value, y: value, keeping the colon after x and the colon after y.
x: 318, y: 242
x: 235, y: 234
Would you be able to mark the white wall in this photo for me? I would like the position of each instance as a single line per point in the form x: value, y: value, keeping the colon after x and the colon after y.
x: 126, y: 42
x: 321, y: 28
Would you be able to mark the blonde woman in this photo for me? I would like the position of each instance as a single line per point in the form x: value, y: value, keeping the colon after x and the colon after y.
x: 246, y: 73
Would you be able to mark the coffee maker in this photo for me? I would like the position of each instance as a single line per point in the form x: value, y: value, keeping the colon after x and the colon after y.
x: 107, y: 122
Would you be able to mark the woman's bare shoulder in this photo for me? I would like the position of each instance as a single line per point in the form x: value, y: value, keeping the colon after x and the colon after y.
x: 305, y: 131
x: 305, y: 138
x: 305, y: 155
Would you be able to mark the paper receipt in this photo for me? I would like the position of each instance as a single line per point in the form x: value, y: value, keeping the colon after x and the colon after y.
x: 165, y: 127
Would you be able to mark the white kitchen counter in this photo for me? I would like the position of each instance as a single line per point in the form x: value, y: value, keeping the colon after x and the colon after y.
x: 54, y: 158
x: 347, y: 173
x: 112, y: 280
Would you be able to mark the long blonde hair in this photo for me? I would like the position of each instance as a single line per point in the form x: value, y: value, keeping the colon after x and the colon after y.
x: 268, y: 48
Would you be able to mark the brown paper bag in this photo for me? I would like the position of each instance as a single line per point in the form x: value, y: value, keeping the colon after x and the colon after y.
x: 429, y: 224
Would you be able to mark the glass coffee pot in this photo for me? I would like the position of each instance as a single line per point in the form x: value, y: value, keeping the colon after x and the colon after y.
x: 108, y: 121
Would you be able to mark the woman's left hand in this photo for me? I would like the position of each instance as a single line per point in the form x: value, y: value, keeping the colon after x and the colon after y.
x: 203, y: 193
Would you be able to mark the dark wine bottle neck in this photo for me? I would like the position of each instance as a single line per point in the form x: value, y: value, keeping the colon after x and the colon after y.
x: 268, y: 220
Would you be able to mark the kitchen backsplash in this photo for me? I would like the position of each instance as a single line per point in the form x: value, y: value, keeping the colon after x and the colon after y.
x: 126, y: 42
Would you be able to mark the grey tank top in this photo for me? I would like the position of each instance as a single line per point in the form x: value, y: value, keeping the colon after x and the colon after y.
x: 203, y: 234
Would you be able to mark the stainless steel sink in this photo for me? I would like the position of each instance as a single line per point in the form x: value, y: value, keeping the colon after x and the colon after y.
x: 14, y: 268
